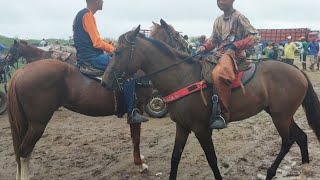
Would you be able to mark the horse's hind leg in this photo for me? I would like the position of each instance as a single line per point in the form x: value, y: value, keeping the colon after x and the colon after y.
x: 207, y: 145
x: 32, y: 136
x: 302, y: 141
x: 283, y: 126
x: 179, y: 144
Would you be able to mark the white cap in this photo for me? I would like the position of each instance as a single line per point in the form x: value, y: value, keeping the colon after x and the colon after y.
x: 289, y: 37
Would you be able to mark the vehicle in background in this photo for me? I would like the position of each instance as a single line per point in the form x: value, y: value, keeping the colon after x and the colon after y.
x: 280, y: 35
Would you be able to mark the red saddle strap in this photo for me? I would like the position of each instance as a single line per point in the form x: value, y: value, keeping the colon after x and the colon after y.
x: 184, y: 92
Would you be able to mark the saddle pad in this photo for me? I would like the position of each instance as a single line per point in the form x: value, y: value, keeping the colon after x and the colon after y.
x: 244, y: 76
x: 62, y: 55
x: 88, y: 70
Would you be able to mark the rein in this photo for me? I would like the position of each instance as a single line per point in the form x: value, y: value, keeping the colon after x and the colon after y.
x: 172, y: 37
x: 157, y: 71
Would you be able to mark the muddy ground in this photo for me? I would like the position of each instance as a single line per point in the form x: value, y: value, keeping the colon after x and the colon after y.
x: 81, y: 147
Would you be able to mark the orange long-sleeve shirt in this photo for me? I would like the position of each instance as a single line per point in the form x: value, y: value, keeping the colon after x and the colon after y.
x: 90, y: 26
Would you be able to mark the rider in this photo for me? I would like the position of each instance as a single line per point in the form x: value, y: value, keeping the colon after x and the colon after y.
x: 232, y: 34
x: 90, y: 48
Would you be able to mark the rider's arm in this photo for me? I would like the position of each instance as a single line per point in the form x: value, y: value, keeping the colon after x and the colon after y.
x: 250, y: 33
x: 89, y: 25
x: 209, y: 44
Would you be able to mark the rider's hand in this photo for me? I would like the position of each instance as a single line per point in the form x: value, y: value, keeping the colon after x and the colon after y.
x: 200, y: 49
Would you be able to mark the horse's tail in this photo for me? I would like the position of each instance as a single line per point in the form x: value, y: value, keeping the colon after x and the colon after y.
x: 17, y: 117
x: 311, y: 106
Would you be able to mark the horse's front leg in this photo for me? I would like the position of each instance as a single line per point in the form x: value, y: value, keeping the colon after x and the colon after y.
x: 205, y: 140
x: 180, y: 141
x: 135, y: 130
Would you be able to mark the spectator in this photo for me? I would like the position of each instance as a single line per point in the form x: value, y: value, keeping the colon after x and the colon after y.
x: 303, y: 52
x: 201, y: 41
x: 274, y: 55
x: 258, y: 51
x: 267, y: 50
x: 313, y: 52
x: 289, y: 50
x: 42, y: 43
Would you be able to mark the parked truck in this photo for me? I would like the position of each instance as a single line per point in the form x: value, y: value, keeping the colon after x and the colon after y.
x: 280, y: 35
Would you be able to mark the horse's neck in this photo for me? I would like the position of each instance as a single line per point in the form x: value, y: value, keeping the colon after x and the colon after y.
x: 32, y: 54
x: 173, y: 78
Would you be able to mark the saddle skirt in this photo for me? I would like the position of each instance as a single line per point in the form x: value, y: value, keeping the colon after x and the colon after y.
x: 62, y: 55
x: 244, y: 76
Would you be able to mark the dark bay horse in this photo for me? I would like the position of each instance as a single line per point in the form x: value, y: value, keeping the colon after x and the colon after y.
x: 31, y: 53
x: 277, y: 88
x: 49, y: 84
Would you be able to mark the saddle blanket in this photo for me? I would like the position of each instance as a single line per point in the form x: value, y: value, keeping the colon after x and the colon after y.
x: 242, y: 76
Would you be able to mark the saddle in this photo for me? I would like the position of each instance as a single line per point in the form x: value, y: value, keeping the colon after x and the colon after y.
x: 62, y: 55
x: 246, y: 70
x: 89, y: 70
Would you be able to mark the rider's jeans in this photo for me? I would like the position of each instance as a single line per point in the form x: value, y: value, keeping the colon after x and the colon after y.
x: 101, y: 62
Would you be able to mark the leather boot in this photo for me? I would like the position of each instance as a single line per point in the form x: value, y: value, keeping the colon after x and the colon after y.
x: 223, y: 76
x: 216, y: 120
x: 136, y: 117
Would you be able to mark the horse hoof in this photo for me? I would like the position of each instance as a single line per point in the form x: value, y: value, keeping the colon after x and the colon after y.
x: 144, y: 167
x: 142, y: 157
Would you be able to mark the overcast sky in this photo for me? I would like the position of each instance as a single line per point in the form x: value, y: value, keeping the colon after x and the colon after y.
x: 53, y: 18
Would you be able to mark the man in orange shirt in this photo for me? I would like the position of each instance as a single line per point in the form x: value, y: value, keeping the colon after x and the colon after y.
x: 91, y: 47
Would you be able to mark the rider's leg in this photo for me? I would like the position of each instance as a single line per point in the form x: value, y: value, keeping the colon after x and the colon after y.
x: 130, y: 99
x: 101, y: 62
x: 223, y: 75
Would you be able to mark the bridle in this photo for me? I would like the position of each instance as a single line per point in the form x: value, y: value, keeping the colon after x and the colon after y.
x: 120, y: 75
x: 181, y: 46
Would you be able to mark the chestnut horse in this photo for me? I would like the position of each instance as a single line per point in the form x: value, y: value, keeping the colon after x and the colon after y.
x: 49, y: 84
x: 277, y: 88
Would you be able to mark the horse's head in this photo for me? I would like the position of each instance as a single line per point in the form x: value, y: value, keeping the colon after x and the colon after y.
x: 15, y: 51
x: 124, y: 62
x: 169, y: 35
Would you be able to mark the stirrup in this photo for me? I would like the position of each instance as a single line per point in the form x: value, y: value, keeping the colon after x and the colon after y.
x: 139, y: 118
x: 218, y: 123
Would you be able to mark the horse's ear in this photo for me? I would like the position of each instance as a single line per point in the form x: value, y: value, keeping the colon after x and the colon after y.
x: 136, y: 31
x: 163, y: 23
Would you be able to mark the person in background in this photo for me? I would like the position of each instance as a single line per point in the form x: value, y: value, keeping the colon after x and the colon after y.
x: 200, y: 42
x: 289, y: 50
x: 267, y: 51
x: 313, y: 48
x: 42, y: 43
x: 258, y: 51
x: 91, y: 47
x: 303, y: 53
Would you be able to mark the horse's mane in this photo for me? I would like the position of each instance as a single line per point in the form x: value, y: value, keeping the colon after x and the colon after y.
x: 165, y: 48
x: 25, y: 43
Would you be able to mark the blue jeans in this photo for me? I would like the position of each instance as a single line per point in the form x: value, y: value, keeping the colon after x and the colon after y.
x: 101, y: 62
x: 129, y: 94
